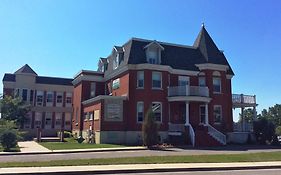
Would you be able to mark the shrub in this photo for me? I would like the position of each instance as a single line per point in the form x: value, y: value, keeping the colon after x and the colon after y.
x: 149, y: 130
x: 8, y: 139
x: 278, y: 131
x: 67, y: 134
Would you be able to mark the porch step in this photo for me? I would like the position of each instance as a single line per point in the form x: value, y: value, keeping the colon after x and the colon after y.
x: 205, y: 139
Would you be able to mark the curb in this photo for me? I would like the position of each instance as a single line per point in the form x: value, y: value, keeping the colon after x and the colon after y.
x: 72, y: 151
x: 153, y: 170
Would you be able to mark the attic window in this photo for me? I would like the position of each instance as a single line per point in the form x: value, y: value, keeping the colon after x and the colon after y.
x: 153, y: 53
x: 116, y: 61
x: 152, y: 57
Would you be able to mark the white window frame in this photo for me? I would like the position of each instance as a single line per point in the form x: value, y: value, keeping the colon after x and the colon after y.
x: 153, y: 56
x: 161, y: 111
x: 139, y: 75
x: 38, y: 118
x: 140, y: 103
x: 92, y: 89
x: 27, y: 99
x: 184, y: 79
x: 59, y: 104
x: 116, y: 61
x: 50, y: 116
x: 39, y: 94
x: 67, y: 120
x: 52, y: 102
x: 68, y: 99
x: 159, y: 73
x: 58, y: 115
x: 219, y: 80
x: 217, y: 106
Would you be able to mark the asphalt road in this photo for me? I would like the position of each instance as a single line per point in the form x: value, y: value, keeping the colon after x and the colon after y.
x: 114, y: 154
x: 233, y: 172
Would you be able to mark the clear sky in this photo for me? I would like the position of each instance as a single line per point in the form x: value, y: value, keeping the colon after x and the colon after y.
x: 61, y: 37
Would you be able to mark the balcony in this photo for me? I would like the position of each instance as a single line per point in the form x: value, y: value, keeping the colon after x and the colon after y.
x: 188, y: 93
x: 241, y: 100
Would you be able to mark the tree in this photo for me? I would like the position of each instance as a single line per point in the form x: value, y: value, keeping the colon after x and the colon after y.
x: 248, y: 116
x: 14, y: 109
x: 149, y: 130
x: 278, y: 130
x: 264, y: 131
x: 273, y: 114
x: 8, y: 139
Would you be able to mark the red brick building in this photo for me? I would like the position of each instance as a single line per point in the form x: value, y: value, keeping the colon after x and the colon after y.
x: 188, y: 88
x: 50, y: 99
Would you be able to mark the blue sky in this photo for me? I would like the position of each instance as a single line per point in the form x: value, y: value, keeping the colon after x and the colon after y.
x: 60, y: 37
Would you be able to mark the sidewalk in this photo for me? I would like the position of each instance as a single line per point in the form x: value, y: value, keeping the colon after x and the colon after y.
x: 31, y: 147
x: 139, y: 168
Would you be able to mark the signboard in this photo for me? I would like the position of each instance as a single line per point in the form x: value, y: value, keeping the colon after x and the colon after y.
x: 114, y: 110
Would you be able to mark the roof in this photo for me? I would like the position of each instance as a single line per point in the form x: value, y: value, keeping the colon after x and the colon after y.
x: 184, y: 57
x: 26, y: 69
x: 119, y: 48
x: 9, y: 77
x: 54, y: 80
x: 42, y: 80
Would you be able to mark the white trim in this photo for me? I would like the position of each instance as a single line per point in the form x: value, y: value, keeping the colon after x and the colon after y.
x: 103, y: 97
x: 212, y: 66
x: 87, y: 71
x: 154, y: 42
x: 87, y: 78
x: 156, y: 72
x: 161, y: 106
x: 200, y: 122
x: 219, y: 78
x: 190, y: 98
x: 138, y: 73
x: 229, y: 76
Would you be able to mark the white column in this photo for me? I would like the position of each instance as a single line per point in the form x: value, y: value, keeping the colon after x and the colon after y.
x: 186, y: 113
x: 206, y: 114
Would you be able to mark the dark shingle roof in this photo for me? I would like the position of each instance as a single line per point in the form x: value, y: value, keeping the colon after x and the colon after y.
x: 54, y: 80
x: 119, y: 48
x: 26, y: 69
x: 9, y: 77
x: 177, y: 56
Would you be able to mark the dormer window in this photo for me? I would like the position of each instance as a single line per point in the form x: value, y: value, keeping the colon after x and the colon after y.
x: 153, y: 53
x: 116, y: 61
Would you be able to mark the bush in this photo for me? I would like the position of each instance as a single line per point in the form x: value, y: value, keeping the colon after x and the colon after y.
x: 278, y: 131
x: 149, y: 130
x: 264, y: 131
x: 8, y: 139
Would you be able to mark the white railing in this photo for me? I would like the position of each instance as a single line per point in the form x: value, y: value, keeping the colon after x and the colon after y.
x: 241, y: 98
x: 188, y: 91
x: 191, y: 134
x: 176, y: 127
x: 217, y: 134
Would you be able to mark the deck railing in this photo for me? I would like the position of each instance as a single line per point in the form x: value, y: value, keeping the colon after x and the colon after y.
x: 188, y: 91
x: 241, y: 98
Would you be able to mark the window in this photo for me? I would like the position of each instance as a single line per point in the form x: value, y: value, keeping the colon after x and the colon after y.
x: 140, y: 81
x: 58, y: 120
x: 217, y: 114
x: 27, y: 121
x: 49, y: 99
x: 24, y: 95
x: 183, y: 81
x: 152, y: 57
x: 202, y: 114
x: 67, y: 120
x: 68, y: 99
x: 48, y: 120
x: 31, y: 96
x: 140, y: 111
x: 157, y: 110
x: 39, y: 98
x: 156, y: 80
x: 38, y: 120
x: 85, y: 116
x: 217, y: 84
x: 16, y: 92
x: 59, y: 99
x: 90, y: 115
x: 202, y: 81
x: 93, y: 90
x: 116, y: 61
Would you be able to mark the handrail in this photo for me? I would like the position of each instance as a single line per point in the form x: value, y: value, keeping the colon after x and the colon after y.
x: 241, y: 98
x: 217, y: 134
x: 188, y: 91
x: 192, y: 134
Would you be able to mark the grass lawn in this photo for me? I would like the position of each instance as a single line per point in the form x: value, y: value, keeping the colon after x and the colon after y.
x: 253, y: 157
x: 73, y: 144
x: 16, y: 149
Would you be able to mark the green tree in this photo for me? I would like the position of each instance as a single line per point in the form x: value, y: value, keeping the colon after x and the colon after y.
x: 264, y: 131
x: 149, y: 130
x: 14, y: 109
x: 248, y: 115
x: 273, y: 114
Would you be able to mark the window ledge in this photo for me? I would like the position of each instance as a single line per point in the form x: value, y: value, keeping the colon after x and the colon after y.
x: 139, y: 88
x: 218, y: 93
x: 156, y: 88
